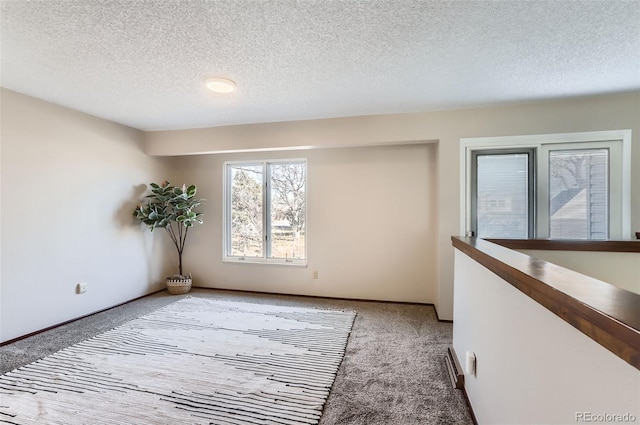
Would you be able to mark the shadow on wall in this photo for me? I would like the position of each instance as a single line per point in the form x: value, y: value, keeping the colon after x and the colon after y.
x: 124, y: 215
x: 153, y: 246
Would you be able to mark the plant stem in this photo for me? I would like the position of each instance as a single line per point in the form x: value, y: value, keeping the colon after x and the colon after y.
x: 177, y: 244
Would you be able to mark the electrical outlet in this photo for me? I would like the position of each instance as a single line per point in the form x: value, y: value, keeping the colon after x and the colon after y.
x: 471, y: 363
x: 81, y: 288
x: 315, y: 274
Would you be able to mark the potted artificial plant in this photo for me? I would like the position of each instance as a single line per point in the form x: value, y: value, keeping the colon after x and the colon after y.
x: 172, y: 208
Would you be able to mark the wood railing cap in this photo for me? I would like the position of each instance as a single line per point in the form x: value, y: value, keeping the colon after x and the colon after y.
x: 626, y: 245
x: 606, y: 313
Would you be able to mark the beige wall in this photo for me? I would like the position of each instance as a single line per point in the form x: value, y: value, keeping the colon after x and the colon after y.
x: 621, y: 269
x: 445, y: 127
x: 69, y: 184
x: 532, y: 367
x: 371, y: 225
x: 69, y: 181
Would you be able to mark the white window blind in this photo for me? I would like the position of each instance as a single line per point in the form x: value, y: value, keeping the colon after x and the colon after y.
x: 503, y: 195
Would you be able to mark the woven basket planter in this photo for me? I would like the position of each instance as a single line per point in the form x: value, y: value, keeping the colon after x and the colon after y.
x: 178, y: 286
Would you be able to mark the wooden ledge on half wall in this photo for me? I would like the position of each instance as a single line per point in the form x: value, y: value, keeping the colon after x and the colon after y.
x: 607, y: 314
x: 627, y: 245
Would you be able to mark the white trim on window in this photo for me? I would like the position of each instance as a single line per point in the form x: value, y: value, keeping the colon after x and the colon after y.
x: 620, y: 230
x: 226, y: 214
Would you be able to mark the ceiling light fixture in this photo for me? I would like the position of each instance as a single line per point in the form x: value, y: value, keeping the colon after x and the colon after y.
x: 221, y: 85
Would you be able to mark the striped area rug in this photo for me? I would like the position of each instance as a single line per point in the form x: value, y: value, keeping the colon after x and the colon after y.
x: 195, y: 361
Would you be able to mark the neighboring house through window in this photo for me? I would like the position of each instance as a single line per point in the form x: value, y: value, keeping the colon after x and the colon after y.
x: 265, y: 211
x: 563, y: 186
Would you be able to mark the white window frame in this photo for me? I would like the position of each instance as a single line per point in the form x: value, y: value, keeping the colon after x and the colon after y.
x: 620, y: 215
x: 226, y: 213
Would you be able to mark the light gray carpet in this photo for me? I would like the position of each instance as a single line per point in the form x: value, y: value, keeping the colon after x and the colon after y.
x: 393, y: 371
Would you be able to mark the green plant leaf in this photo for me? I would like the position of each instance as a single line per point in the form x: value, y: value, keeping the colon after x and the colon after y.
x: 167, y: 205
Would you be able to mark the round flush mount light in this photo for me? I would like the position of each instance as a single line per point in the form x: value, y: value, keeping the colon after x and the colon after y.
x: 221, y: 85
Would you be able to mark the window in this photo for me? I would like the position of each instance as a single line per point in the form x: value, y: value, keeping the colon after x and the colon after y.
x: 579, y: 193
x: 567, y: 186
x: 503, y: 193
x: 265, y: 211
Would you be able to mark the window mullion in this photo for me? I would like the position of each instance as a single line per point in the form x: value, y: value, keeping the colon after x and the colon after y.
x: 227, y: 210
x: 532, y: 182
x: 266, y: 213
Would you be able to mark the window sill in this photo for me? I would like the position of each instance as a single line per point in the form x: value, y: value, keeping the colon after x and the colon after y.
x: 265, y: 262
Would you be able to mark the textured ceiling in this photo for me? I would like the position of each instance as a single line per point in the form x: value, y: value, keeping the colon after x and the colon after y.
x: 142, y: 63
